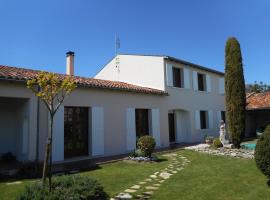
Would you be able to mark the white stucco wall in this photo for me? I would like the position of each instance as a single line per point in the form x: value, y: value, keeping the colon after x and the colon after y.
x: 115, y: 105
x: 191, y: 100
x: 145, y: 71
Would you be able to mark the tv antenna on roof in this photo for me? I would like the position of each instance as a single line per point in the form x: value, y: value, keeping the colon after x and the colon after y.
x: 117, y: 47
x: 117, y: 44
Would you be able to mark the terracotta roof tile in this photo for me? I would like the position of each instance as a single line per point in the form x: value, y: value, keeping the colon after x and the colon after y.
x: 21, y: 74
x: 258, y: 101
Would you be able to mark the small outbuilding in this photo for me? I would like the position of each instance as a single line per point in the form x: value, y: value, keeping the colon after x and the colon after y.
x: 257, y: 113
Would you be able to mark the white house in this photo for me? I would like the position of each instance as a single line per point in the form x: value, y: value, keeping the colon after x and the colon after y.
x: 195, y: 102
x: 173, y: 100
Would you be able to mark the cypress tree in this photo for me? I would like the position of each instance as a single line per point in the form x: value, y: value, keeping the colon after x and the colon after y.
x: 234, y: 91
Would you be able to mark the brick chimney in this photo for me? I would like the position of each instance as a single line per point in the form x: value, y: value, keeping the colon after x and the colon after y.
x: 70, y: 63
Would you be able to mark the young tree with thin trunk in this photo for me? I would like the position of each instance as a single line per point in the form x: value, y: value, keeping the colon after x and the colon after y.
x: 52, y: 90
x: 234, y: 91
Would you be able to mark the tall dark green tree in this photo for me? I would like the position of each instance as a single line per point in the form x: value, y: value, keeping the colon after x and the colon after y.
x: 234, y: 91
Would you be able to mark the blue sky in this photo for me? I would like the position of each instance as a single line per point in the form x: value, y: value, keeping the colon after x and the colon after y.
x: 36, y: 34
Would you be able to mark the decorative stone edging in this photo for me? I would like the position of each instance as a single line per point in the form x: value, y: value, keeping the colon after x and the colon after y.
x: 236, y: 153
x: 144, y: 189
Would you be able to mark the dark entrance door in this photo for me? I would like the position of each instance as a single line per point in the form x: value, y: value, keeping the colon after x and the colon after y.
x: 76, y: 132
x: 142, y: 122
x: 171, y: 127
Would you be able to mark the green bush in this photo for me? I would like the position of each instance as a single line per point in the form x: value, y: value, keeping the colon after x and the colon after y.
x: 137, y: 153
x: 217, y: 143
x: 262, y: 153
x: 73, y: 187
x: 147, y: 145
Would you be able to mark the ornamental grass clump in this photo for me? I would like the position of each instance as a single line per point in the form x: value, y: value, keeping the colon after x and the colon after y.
x: 217, y: 143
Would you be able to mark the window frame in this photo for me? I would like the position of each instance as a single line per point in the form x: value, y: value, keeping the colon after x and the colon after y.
x: 201, y: 79
x: 180, y: 82
x: 204, y: 121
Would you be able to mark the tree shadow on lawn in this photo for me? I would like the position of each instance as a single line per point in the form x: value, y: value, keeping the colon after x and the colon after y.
x: 159, y: 160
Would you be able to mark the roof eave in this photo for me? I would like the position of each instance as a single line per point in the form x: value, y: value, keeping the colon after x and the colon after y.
x: 23, y: 80
x: 193, y: 65
x: 254, y: 109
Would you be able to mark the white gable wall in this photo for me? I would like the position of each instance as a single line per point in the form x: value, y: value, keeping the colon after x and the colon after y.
x: 145, y: 71
x: 191, y: 101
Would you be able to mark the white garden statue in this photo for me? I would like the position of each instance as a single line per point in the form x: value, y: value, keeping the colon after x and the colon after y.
x: 222, y: 133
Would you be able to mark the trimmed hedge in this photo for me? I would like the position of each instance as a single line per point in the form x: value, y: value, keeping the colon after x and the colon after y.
x: 73, y: 187
x: 262, y: 153
x: 147, y: 145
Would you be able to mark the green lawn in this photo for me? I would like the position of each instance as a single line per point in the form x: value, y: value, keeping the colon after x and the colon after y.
x: 206, y: 177
x: 215, y: 177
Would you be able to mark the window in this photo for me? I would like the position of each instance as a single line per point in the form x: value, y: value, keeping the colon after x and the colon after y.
x: 201, y: 82
x: 204, y: 119
x: 142, y: 122
x: 223, y: 116
x: 177, y: 77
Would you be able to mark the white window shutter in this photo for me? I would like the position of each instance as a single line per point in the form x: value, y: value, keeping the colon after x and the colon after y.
x: 186, y: 78
x: 218, y: 118
x: 210, y: 118
x: 208, y: 83
x: 131, y: 129
x: 169, y: 75
x: 221, y: 86
x: 195, y: 80
x: 58, y: 135
x: 155, y: 124
x: 97, y: 131
x: 197, y: 120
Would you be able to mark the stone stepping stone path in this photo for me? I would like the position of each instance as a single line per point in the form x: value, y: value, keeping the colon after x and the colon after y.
x: 145, y: 188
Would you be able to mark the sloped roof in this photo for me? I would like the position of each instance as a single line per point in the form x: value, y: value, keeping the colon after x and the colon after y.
x: 256, y: 101
x: 22, y: 74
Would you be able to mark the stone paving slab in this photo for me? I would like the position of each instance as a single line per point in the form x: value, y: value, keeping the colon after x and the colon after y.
x: 136, y: 187
x: 130, y: 191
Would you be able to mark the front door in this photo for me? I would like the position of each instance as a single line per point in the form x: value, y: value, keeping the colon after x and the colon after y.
x: 171, y: 127
x: 76, y: 132
x: 142, y: 122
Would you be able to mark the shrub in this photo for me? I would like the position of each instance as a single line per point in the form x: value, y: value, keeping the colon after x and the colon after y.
x: 262, y: 153
x: 147, y: 145
x: 217, y: 143
x: 29, y: 170
x: 7, y: 157
x: 137, y: 153
x: 66, y: 187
